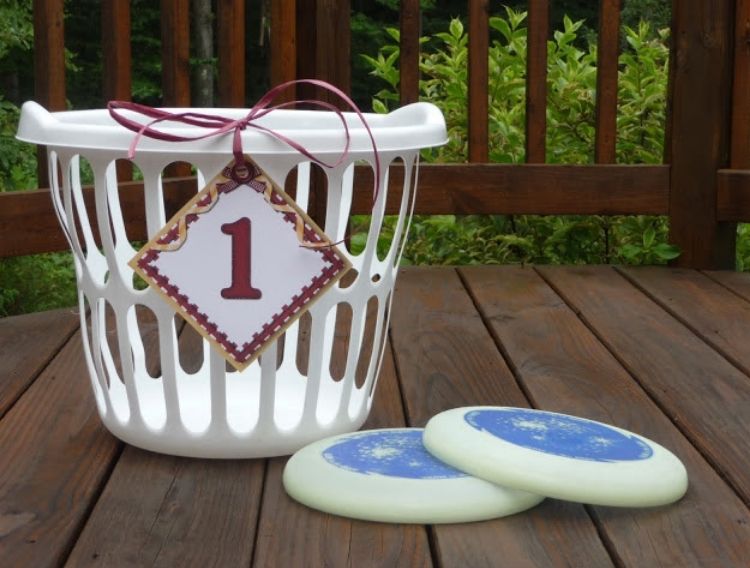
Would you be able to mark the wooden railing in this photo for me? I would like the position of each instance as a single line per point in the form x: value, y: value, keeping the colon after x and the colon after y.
x: 704, y: 185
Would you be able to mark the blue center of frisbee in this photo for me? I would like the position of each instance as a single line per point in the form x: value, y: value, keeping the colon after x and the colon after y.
x: 559, y: 435
x: 397, y: 453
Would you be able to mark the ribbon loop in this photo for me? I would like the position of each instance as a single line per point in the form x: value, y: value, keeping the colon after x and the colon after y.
x: 218, y: 125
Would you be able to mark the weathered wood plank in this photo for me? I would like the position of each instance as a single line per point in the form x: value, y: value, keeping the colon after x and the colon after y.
x: 718, y: 316
x: 49, y: 66
x: 479, y: 35
x: 606, y: 81
x: 28, y: 224
x: 291, y: 534
x: 536, y: 82
x: 28, y: 343
x: 409, y: 22
x: 230, y: 37
x: 737, y: 282
x: 700, y: 130
x: 444, y: 354
x: 159, y: 510
x: 565, y: 368
x: 56, y: 455
x: 177, y: 511
x: 446, y: 358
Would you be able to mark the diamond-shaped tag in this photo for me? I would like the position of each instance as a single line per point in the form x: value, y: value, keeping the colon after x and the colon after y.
x: 240, y: 262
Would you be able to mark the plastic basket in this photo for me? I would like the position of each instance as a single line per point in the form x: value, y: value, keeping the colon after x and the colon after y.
x: 276, y: 405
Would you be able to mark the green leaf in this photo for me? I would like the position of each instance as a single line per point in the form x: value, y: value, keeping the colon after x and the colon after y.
x: 648, y: 237
x: 395, y: 33
x: 502, y: 26
x: 666, y: 251
x: 630, y: 251
x: 456, y: 28
x: 379, y: 107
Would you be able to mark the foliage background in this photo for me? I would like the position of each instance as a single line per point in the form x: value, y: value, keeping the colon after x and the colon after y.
x: 642, y: 85
x: 45, y: 281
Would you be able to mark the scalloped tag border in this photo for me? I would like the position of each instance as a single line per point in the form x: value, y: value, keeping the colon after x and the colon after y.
x: 176, y: 230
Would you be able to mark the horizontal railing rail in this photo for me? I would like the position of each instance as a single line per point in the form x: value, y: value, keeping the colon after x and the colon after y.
x: 28, y: 223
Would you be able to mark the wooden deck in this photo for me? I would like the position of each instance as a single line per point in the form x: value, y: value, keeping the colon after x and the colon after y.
x: 663, y: 352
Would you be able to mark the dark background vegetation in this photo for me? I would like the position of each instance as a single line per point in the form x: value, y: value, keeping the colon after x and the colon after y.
x: 369, y: 21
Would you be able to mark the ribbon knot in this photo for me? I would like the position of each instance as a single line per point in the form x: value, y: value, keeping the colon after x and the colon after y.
x: 218, y: 125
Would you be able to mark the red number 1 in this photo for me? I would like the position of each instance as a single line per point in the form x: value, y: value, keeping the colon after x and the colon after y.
x: 241, y: 288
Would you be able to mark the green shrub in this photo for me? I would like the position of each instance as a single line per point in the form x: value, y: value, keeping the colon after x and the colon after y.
x: 17, y: 159
x: 571, y: 86
x: 36, y: 282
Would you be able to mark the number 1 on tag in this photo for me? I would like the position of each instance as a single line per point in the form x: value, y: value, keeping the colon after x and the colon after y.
x: 241, y: 288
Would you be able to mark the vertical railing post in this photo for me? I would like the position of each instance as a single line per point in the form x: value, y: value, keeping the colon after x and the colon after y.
x: 116, y: 73
x: 175, y: 49
x: 116, y: 53
x: 479, y: 16
x: 203, y: 17
x: 307, y: 36
x: 175, y: 58
x: 324, y: 45
x: 408, y: 65
x: 323, y: 52
x: 740, y: 148
x: 606, y: 82
x: 699, y: 133
x: 230, y: 31
x: 536, y: 81
x: 284, y: 45
x: 49, y: 67
x: 333, y: 53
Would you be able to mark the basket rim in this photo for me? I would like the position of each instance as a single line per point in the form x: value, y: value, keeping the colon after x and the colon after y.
x: 412, y: 127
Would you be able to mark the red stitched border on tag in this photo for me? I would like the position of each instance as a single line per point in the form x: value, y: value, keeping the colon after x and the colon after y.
x: 288, y: 311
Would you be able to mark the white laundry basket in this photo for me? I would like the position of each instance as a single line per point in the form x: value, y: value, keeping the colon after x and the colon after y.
x: 270, y: 408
